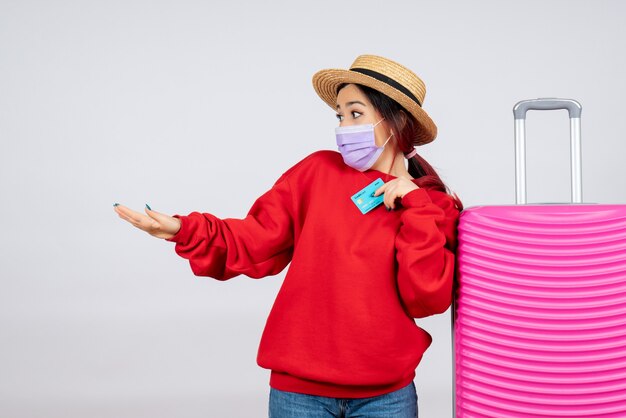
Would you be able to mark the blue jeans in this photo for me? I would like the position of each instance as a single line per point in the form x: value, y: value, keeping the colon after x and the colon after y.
x: 401, y: 403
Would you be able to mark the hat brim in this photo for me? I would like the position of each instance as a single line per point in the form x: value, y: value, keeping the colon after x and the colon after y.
x: 325, y: 83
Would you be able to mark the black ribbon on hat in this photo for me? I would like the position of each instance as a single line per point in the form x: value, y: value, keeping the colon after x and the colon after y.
x: 389, y: 81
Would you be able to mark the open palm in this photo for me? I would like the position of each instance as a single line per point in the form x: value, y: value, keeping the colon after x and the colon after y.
x: 154, y: 223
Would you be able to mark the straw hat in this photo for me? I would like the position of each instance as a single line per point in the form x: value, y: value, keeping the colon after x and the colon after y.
x: 385, y: 76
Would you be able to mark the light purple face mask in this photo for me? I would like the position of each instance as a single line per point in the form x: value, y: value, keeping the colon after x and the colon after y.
x: 357, y: 145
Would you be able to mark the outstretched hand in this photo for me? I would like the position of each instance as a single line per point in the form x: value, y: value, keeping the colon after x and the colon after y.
x: 154, y: 223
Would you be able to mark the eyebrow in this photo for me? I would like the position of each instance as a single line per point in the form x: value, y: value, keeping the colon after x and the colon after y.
x: 352, y: 103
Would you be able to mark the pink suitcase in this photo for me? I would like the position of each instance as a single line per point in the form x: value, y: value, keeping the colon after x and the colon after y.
x: 540, y: 309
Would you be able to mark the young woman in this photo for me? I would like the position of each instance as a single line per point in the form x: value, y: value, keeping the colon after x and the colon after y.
x: 340, y: 339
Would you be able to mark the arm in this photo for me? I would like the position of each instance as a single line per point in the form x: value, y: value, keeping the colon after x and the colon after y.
x: 425, y: 248
x: 259, y: 245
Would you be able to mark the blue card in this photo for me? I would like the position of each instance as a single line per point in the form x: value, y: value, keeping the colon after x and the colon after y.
x: 365, y: 200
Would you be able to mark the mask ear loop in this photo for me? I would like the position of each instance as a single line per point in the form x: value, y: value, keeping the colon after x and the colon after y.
x: 393, y: 160
x: 387, y: 141
x: 376, y: 124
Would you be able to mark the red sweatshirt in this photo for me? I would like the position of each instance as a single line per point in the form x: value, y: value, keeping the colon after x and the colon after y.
x: 342, y: 323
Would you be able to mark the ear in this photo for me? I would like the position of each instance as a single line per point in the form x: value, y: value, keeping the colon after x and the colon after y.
x: 403, y: 118
x: 403, y: 121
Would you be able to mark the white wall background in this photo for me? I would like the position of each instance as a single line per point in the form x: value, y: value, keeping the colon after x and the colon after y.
x: 201, y: 105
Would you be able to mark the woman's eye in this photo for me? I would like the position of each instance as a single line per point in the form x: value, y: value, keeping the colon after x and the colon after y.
x: 355, y: 114
x: 339, y: 117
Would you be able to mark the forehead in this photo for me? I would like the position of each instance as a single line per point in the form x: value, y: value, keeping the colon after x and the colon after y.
x: 351, y: 93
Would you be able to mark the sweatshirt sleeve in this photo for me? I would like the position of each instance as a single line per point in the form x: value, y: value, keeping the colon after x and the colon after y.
x: 259, y: 245
x: 425, y: 247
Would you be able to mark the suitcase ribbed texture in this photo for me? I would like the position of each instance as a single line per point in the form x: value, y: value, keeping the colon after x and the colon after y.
x: 540, y: 325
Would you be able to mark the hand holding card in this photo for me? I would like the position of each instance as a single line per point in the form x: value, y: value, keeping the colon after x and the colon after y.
x: 365, y: 199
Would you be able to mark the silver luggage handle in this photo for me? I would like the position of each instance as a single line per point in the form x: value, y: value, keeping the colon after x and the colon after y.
x: 519, y: 111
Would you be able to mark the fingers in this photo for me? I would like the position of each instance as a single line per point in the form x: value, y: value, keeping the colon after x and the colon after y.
x: 394, y: 190
x: 153, y: 217
x: 381, y: 189
x: 169, y: 225
x: 137, y: 219
x: 154, y: 223
x: 130, y: 214
x: 391, y: 194
x: 156, y: 216
x: 390, y: 191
